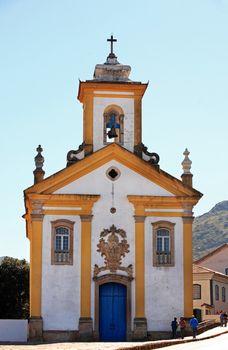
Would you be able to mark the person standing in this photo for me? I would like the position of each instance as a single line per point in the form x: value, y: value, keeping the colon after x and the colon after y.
x: 221, y: 318
x: 225, y: 316
x: 194, y: 325
x: 174, y: 325
x: 182, y: 325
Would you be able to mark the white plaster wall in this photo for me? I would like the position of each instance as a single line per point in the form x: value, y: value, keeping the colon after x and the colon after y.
x: 129, y: 183
x: 218, y: 261
x: 121, y: 219
x: 60, y: 283
x: 13, y: 330
x: 164, y: 291
x: 127, y: 104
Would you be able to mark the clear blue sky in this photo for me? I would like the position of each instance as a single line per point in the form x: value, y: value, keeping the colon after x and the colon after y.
x: 47, y: 45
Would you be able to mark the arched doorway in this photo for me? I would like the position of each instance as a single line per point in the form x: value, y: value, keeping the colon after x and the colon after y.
x: 112, y: 312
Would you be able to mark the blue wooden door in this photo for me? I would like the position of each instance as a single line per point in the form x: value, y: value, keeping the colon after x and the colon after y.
x: 112, y: 312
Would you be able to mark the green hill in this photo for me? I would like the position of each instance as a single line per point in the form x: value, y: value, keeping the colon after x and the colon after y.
x: 210, y: 230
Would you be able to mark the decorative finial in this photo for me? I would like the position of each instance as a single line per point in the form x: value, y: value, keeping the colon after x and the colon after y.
x: 39, y: 159
x: 39, y: 162
x: 186, y: 164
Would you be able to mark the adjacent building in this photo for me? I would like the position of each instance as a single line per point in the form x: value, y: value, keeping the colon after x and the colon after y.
x: 210, y: 282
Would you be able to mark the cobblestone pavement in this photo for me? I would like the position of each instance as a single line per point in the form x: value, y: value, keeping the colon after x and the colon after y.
x: 108, y: 346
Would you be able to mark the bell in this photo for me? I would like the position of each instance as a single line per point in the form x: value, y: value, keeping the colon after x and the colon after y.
x: 112, y: 133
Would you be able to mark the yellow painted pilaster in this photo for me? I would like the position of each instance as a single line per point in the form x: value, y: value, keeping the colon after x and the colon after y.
x: 86, y: 266
x: 188, y: 278
x: 139, y: 267
x: 36, y: 265
x: 88, y: 123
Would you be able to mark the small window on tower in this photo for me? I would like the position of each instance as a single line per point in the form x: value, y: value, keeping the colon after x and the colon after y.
x: 113, y: 127
x: 62, y: 242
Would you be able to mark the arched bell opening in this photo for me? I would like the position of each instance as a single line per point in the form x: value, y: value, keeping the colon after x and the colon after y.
x: 113, y: 125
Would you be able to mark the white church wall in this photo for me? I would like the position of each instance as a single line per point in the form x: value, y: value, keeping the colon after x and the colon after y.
x: 103, y: 219
x: 165, y: 285
x: 127, y: 104
x: 60, y: 283
x: 129, y: 183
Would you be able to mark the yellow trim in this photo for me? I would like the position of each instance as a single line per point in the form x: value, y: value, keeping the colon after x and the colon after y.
x: 84, y: 202
x: 69, y: 200
x: 35, y: 268
x: 87, y: 88
x: 139, y: 270
x: 118, y: 153
x: 113, y: 96
x: 188, y: 277
x: 66, y: 212
x: 162, y: 213
x: 162, y: 202
x: 86, y: 269
x: 88, y: 120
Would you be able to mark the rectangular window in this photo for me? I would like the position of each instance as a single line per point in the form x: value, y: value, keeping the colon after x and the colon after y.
x: 65, y: 243
x: 224, y: 294
x: 58, y: 243
x: 159, y: 244
x: 62, y: 242
x: 163, y: 243
x: 216, y: 292
x: 196, y: 291
x: 166, y: 244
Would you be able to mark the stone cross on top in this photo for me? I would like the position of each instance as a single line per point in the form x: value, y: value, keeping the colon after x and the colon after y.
x: 112, y: 40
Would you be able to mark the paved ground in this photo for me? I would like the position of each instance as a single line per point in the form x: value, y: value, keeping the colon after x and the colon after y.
x: 220, y: 343
x: 113, y: 346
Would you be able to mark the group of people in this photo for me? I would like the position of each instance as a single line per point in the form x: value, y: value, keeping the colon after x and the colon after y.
x: 223, y: 318
x: 182, y: 325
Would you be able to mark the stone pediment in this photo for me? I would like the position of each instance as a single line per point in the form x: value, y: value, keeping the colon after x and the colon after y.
x: 103, y: 156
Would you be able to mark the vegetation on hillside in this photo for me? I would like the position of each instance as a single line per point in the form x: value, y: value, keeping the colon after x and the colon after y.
x: 14, y: 289
x: 210, y: 230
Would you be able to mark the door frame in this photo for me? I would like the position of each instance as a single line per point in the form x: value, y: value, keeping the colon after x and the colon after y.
x: 126, y: 281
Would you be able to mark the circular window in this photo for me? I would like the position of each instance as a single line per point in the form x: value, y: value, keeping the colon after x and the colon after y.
x: 113, y: 173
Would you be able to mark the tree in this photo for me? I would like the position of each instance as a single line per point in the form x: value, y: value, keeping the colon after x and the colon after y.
x: 14, y: 289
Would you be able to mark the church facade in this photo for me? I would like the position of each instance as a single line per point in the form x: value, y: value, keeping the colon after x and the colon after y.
x: 111, y: 233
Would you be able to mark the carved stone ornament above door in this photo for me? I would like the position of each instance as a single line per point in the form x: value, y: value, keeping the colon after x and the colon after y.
x: 113, y: 248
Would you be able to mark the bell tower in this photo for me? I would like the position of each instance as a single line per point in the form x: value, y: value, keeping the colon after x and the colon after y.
x: 111, y: 106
